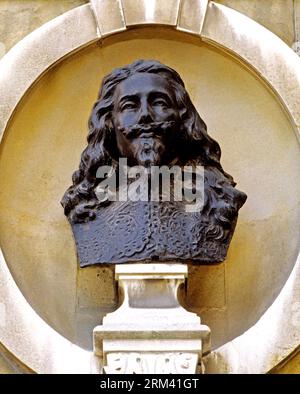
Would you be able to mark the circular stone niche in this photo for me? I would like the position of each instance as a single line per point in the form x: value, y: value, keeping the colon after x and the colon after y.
x: 41, y: 149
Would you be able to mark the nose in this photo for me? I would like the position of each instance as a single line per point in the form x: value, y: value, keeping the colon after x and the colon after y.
x: 145, y: 115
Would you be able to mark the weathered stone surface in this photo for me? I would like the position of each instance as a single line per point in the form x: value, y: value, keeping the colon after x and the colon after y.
x: 297, y: 20
x: 19, y: 18
x: 109, y: 16
x: 191, y: 15
x: 291, y: 366
x: 96, y: 296
x: 138, y: 12
x: 275, y: 15
x: 206, y: 287
x: 5, y: 368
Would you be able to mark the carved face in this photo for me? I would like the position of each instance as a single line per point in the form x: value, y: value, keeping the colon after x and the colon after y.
x: 145, y: 117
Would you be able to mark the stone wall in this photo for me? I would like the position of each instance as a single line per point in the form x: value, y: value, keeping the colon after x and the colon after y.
x: 275, y: 15
x: 19, y: 17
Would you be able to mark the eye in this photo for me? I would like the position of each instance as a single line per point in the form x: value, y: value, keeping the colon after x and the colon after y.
x: 128, y: 105
x: 160, y: 102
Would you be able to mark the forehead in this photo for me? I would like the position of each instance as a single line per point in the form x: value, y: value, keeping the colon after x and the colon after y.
x: 143, y: 83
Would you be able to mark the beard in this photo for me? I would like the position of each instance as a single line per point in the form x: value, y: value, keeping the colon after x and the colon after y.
x: 148, y: 151
x: 148, y: 142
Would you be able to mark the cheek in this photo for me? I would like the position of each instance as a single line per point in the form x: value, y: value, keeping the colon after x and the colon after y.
x: 125, y: 119
x: 169, y: 114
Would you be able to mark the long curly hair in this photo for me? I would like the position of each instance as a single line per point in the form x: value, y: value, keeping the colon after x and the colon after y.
x: 79, y: 201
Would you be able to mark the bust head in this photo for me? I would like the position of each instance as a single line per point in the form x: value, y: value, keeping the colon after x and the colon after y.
x: 145, y: 119
x: 144, y: 113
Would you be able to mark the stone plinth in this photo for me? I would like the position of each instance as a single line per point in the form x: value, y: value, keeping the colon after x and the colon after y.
x: 151, y: 332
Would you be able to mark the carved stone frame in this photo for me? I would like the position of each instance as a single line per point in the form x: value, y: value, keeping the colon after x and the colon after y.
x: 27, y: 341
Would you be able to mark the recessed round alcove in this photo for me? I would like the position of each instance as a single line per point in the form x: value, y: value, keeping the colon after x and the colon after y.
x: 41, y: 149
x: 244, y: 82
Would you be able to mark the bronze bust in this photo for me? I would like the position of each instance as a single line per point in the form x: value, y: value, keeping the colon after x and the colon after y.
x: 144, y: 115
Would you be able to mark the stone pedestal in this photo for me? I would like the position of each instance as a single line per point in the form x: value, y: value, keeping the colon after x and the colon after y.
x: 151, y: 332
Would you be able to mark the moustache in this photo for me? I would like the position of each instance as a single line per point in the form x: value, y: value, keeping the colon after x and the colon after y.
x: 155, y: 128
